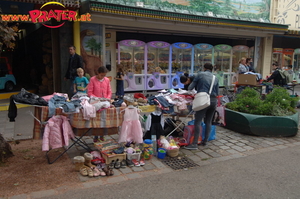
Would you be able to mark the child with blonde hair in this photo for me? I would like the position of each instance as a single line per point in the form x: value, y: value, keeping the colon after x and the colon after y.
x: 80, y: 82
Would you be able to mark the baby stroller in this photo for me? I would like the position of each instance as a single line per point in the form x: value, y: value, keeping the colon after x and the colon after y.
x: 174, y: 125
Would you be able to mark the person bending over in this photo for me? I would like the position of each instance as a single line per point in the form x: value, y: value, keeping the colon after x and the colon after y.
x: 203, y: 81
x: 186, y: 80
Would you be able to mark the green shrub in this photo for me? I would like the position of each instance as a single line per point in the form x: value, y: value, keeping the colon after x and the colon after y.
x: 277, y: 103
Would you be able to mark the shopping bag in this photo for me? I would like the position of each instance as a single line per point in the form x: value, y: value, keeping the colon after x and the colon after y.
x: 212, y: 134
x: 188, y: 134
x: 219, y: 116
x: 201, y: 101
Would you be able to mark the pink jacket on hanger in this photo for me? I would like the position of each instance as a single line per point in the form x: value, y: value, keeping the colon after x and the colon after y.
x: 57, y: 133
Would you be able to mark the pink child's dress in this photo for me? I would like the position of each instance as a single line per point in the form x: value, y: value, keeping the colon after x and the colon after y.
x: 131, y: 129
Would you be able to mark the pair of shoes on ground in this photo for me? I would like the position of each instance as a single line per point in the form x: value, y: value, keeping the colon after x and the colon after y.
x: 108, y: 171
x: 91, y: 171
x: 101, y: 139
x: 86, y: 171
x: 98, y: 172
x: 203, y: 143
x: 195, y: 146
x: 191, y: 147
x: 135, y: 162
x: 117, y: 164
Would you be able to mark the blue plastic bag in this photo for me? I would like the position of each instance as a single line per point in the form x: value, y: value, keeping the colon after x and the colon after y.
x: 212, y: 135
x: 192, y: 122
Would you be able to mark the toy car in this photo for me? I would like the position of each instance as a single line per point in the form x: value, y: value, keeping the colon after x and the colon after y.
x: 7, y: 79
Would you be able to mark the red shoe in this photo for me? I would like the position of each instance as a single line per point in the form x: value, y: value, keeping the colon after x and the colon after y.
x: 135, y: 162
x: 142, y: 162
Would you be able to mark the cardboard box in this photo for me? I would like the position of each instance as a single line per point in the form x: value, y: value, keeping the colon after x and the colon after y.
x: 247, y: 79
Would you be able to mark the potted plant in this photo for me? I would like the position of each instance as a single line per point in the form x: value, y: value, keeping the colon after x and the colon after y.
x: 275, y: 115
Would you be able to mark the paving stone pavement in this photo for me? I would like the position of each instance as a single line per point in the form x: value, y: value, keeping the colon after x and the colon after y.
x: 228, y: 145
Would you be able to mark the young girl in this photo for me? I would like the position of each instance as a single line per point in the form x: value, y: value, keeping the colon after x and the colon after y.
x: 80, y: 82
x: 99, y: 85
x: 120, y: 82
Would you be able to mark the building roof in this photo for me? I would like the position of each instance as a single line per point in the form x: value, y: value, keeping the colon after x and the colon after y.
x: 183, y: 16
x: 69, y: 3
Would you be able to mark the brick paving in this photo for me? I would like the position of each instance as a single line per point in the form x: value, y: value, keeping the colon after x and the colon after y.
x: 228, y: 145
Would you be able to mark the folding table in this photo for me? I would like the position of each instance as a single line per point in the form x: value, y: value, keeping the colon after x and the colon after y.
x: 106, y: 122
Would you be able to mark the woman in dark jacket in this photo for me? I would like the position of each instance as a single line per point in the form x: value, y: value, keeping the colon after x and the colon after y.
x: 203, y: 81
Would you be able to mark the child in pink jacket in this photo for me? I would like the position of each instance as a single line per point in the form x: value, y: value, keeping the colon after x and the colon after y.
x: 99, y: 85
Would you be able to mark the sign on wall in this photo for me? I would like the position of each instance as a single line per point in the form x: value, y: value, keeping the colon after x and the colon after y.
x: 288, y: 12
x: 91, y: 42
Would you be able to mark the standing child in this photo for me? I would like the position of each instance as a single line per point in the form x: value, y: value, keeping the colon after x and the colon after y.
x: 80, y: 82
x: 120, y: 82
x: 99, y: 86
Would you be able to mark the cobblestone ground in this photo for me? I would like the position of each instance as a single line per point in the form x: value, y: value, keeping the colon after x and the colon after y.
x: 228, y: 145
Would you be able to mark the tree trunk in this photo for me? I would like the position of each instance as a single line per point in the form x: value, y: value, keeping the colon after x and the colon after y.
x: 5, y: 150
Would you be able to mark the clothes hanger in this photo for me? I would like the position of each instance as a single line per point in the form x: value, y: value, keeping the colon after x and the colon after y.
x: 130, y: 106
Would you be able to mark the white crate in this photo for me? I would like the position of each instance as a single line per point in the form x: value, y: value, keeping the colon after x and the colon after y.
x: 136, y: 156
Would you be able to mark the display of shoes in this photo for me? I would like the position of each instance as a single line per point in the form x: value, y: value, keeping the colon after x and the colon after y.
x: 135, y: 162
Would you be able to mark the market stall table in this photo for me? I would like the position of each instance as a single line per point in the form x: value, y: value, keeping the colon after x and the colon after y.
x: 106, y: 122
x: 291, y: 87
x: 258, y: 87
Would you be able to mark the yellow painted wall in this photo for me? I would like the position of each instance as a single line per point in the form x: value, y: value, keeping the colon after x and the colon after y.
x: 285, y: 12
x: 267, y: 56
x: 110, y: 45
